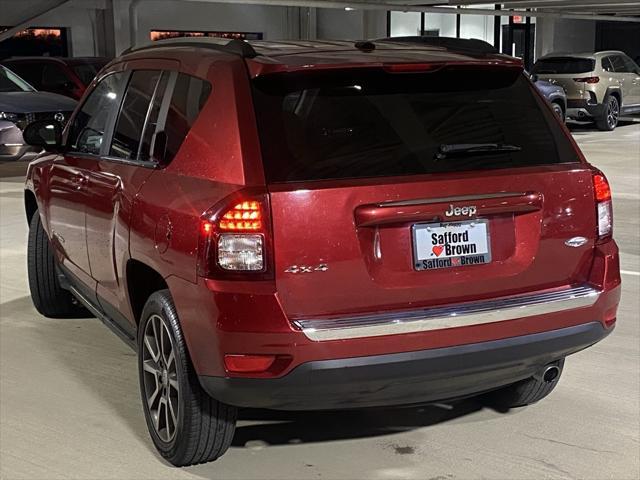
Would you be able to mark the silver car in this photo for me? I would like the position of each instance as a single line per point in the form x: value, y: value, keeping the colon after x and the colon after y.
x: 21, y: 104
x: 600, y: 86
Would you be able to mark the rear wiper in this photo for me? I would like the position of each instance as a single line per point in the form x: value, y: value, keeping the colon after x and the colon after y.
x: 464, y: 149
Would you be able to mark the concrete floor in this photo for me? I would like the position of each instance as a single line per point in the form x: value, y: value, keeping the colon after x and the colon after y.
x: 70, y: 406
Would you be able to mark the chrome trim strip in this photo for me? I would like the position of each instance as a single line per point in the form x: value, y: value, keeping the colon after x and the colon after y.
x: 451, y: 316
x: 459, y: 198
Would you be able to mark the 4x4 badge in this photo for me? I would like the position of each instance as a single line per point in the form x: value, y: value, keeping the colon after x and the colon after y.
x: 323, y: 267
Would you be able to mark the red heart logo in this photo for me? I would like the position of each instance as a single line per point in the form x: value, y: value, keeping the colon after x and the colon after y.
x: 437, y: 250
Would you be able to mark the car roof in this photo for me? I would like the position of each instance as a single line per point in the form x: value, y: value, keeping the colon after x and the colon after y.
x: 265, y: 56
x: 65, y: 60
x: 590, y: 55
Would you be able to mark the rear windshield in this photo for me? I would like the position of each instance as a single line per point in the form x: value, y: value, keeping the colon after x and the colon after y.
x: 363, y: 123
x: 564, y: 65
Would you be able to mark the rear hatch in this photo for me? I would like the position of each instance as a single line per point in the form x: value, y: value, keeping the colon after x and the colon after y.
x: 397, y: 190
x: 563, y: 70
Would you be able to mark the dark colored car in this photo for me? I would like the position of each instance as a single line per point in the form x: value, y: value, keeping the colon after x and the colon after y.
x: 319, y: 226
x: 65, y: 76
x: 555, y: 94
x: 21, y: 104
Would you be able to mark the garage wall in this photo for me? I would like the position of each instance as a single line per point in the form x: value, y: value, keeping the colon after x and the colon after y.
x: 334, y: 24
x: 80, y: 21
x: 146, y: 15
x: 564, y: 35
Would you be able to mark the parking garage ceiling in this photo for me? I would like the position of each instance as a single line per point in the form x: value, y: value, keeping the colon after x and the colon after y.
x: 615, y: 10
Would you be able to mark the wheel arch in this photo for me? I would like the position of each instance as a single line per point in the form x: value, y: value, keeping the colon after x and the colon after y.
x: 30, y: 204
x: 615, y: 92
x: 142, y: 281
x: 560, y: 101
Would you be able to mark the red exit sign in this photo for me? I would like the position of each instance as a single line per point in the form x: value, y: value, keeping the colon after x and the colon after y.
x: 517, y: 19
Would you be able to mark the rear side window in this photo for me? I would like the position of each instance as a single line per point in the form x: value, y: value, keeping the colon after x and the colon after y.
x: 189, y: 96
x: 631, y: 65
x: 555, y: 65
x: 86, y: 71
x: 369, y: 123
x: 607, y: 66
x: 54, y: 76
x: 619, y: 65
x: 153, y: 116
x: 88, y: 129
x: 133, y: 114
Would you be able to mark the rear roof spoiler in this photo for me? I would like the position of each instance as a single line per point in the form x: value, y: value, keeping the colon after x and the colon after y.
x: 467, y: 45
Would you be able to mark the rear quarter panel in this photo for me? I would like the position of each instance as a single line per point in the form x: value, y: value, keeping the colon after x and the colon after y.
x: 220, y: 155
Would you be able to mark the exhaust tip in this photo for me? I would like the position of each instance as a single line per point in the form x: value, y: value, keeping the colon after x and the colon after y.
x: 550, y: 373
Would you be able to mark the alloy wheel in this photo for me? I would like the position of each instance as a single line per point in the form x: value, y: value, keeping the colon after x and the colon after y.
x: 613, y: 111
x: 160, y: 378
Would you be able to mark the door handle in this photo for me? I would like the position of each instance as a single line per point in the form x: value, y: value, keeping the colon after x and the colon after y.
x: 79, y: 182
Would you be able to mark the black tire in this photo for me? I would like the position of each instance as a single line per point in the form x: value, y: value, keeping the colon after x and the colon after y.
x: 558, y: 110
x: 609, y: 119
x: 203, y: 427
x: 49, y: 298
x: 525, y: 392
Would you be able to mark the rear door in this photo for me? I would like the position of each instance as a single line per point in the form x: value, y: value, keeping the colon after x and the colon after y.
x: 69, y: 195
x: 120, y: 172
x: 631, y: 80
x: 380, y: 201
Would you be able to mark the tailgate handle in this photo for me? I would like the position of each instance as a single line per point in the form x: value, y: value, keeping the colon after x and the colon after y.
x: 434, y: 209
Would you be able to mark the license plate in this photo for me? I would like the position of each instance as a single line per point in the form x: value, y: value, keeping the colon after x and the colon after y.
x: 454, y: 244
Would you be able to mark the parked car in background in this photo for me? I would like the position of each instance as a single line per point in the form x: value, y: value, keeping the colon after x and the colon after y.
x: 555, y: 94
x: 21, y: 104
x: 321, y: 226
x: 599, y: 86
x: 65, y: 76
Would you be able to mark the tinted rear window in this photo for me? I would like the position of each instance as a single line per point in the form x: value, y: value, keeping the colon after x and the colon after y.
x: 189, y: 96
x: 133, y: 114
x: 564, y: 65
x: 369, y: 123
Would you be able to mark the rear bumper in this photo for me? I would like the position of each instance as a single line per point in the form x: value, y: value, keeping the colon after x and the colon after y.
x: 408, y: 377
x: 581, y: 108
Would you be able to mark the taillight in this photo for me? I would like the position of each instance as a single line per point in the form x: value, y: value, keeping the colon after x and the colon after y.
x: 604, y: 209
x: 587, y: 80
x: 235, y: 238
x: 245, y: 216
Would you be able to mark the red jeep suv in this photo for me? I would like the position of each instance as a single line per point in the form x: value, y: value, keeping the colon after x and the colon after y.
x: 320, y: 225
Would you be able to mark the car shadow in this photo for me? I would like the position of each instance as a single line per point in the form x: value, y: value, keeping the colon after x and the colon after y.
x: 580, y: 128
x: 106, y: 367
x: 272, y: 428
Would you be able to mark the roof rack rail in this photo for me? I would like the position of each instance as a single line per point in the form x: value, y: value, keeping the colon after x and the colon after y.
x: 234, y: 47
x: 463, y: 44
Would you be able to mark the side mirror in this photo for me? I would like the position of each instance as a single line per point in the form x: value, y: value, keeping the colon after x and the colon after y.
x: 44, y: 133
